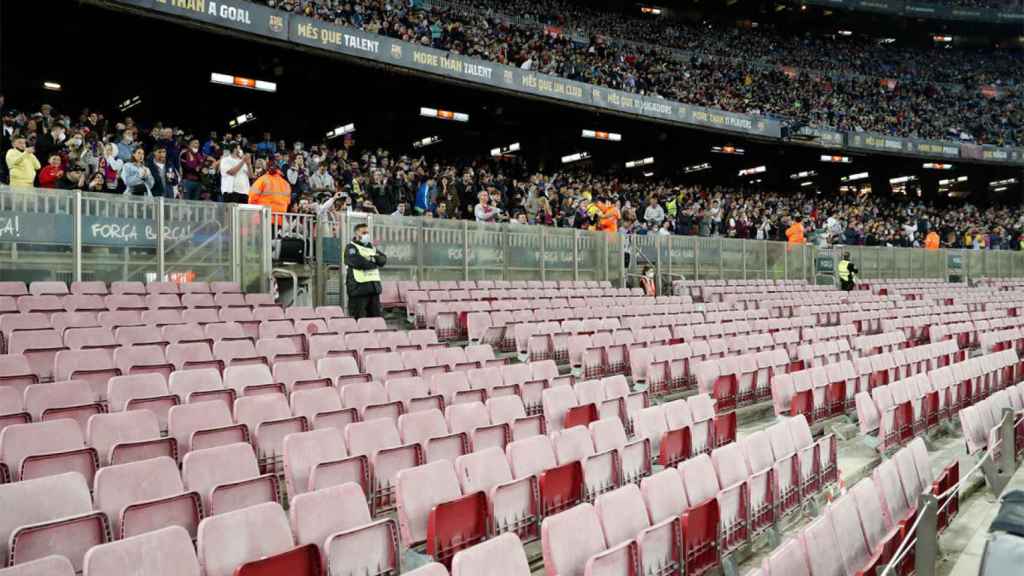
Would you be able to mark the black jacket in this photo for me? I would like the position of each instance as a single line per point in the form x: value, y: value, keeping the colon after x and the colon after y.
x: 161, y: 187
x: 355, y: 261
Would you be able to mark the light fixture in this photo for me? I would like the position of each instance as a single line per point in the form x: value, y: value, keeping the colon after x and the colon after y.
x: 52, y: 86
x: 648, y: 174
x: 428, y: 141
x: 130, y: 103
x: 505, y: 150
x: 341, y: 131
x: 942, y: 38
x: 754, y: 170
x: 1006, y: 182
x: 643, y: 162
x: 807, y: 183
x: 855, y: 177
x: 728, y: 150
x: 835, y: 159
x: 575, y: 157
x: 242, y: 82
x: 804, y: 174
x: 444, y: 114
x: 845, y: 33
x: 902, y: 179
x: 697, y: 168
x: 936, y: 166
x: 599, y: 135
x: 242, y: 119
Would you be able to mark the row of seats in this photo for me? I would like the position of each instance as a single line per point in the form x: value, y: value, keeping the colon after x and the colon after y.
x: 686, y: 517
x: 51, y: 304
x: 981, y: 423
x: 860, y: 531
x: 42, y: 288
x: 906, y: 407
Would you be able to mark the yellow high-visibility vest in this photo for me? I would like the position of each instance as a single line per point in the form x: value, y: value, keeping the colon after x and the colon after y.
x: 364, y: 276
x: 844, y: 270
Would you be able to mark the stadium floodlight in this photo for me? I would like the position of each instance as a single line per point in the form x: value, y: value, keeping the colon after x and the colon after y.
x: 936, y: 166
x: 599, y: 135
x: 855, y: 177
x: 242, y: 119
x: 52, y: 86
x: 242, y: 82
x: 941, y: 38
x: 697, y: 168
x: 728, y: 150
x: 642, y: 162
x: 902, y: 179
x: 804, y: 174
x: 130, y: 103
x: 341, y: 131
x: 1006, y: 182
x: 755, y: 170
x: 836, y: 159
x: 886, y: 40
x: 845, y: 33
x: 951, y: 181
x: 648, y: 174
x: 575, y: 157
x: 505, y: 150
x: 650, y: 10
x: 428, y: 141
x: 1000, y: 189
x: 807, y: 183
x: 444, y: 114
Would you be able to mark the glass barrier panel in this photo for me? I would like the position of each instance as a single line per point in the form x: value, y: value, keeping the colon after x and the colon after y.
x: 119, y: 238
x: 733, y: 266
x: 36, y: 234
x: 558, y: 253
x: 524, y: 252
x: 487, y: 251
x: 197, y: 241
x: 709, y: 259
x: 400, y: 238
x: 592, y: 255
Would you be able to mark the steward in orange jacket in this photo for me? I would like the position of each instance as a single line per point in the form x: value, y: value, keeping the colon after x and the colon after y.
x: 271, y: 190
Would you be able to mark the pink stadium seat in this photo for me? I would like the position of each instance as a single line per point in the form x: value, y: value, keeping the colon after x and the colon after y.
x: 432, y: 508
x: 634, y: 458
x: 248, y: 379
x: 13, y: 288
x: 47, y: 566
x: 74, y: 399
x: 144, y: 496
x: 513, y: 504
x: 299, y: 375
x: 429, y: 429
x: 322, y: 408
x: 135, y: 555
x: 46, y: 448
x: 127, y: 288
x: 319, y: 459
x: 227, y: 478
x: 46, y: 516
x: 126, y: 303
x: 89, y: 337
x: 331, y: 515
x: 39, y: 347
x: 92, y: 287
x: 16, y: 372
x: 124, y: 437
x: 380, y: 442
x: 142, y: 392
x: 225, y: 287
x: 94, y: 366
x: 573, y: 543
x: 253, y: 541
x: 200, y: 425
x: 500, y: 556
x: 269, y: 419
x: 84, y: 303
x: 788, y: 559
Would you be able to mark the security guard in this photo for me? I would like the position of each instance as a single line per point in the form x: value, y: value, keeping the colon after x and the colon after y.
x: 364, y: 262
x: 847, y: 272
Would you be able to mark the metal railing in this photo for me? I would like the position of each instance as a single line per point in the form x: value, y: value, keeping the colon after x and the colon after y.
x: 73, y: 235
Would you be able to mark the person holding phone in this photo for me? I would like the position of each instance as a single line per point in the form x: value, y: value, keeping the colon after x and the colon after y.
x: 22, y: 163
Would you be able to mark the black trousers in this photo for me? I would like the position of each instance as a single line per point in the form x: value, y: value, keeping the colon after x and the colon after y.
x: 846, y: 284
x: 367, y: 306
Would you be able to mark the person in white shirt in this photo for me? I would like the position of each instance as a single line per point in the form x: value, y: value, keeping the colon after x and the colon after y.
x: 654, y: 215
x: 235, y: 170
x: 483, y: 211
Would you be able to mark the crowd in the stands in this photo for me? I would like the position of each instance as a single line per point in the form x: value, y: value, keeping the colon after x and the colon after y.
x: 92, y: 152
x: 852, y: 83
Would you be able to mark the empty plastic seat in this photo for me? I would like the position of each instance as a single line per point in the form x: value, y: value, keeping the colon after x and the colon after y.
x: 318, y: 459
x: 572, y: 541
x: 202, y: 425
x: 251, y: 379
x: 89, y: 287
x: 200, y: 385
x: 47, y: 516
x: 124, y: 437
x: 335, y: 515
x: 135, y: 556
x: 299, y: 375
x: 16, y: 372
x: 225, y: 288
x: 380, y: 441
x: 513, y: 503
x: 269, y: 419
x: 254, y: 536
x: 46, y: 448
x: 192, y: 356
x: 125, y: 287
x: 147, y: 391
x: 788, y: 559
x: 227, y: 478
x: 48, y: 566
x: 500, y: 556
x: 39, y: 347
x: 79, y: 337
x: 72, y: 399
x: 146, y: 495
x: 82, y: 303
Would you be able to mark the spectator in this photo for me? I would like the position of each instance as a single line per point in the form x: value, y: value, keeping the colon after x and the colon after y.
x: 137, y: 177
x: 654, y: 215
x: 271, y: 189
x: 163, y: 174
x: 51, y: 174
x: 22, y: 163
x: 235, y: 170
x: 321, y: 182
x: 931, y: 241
x: 51, y: 142
x: 484, y: 211
x: 126, y: 147
x: 795, y: 232
x: 192, y: 162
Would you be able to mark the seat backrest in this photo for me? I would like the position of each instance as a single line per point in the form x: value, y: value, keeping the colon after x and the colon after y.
x: 872, y: 516
x: 788, y: 559
x: 317, y: 515
x: 608, y: 434
x: 505, y: 409
x: 570, y: 538
x: 254, y: 410
x: 313, y: 401
x: 124, y: 484
x: 482, y: 470
x: 418, y: 427
x: 19, y: 441
x: 47, y: 566
x: 418, y: 491
x: 531, y: 456
x: 42, y: 397
x: 699, y: 479
x: 730, y: 464
x: 229, y: 540
x: 572, y: 445
x: 500, y: 556
x: 203, y: 470
x: 185, y: 382
x: 304, y: 451
x: 664, y: 495
x: 105, y: 431
x: 623, y: 514
x: 238, y: 377
x: 466, y: 417
x: 366, y: 438
x: 122, y: 389
x: 40, y: 500
x: 852, y: 544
